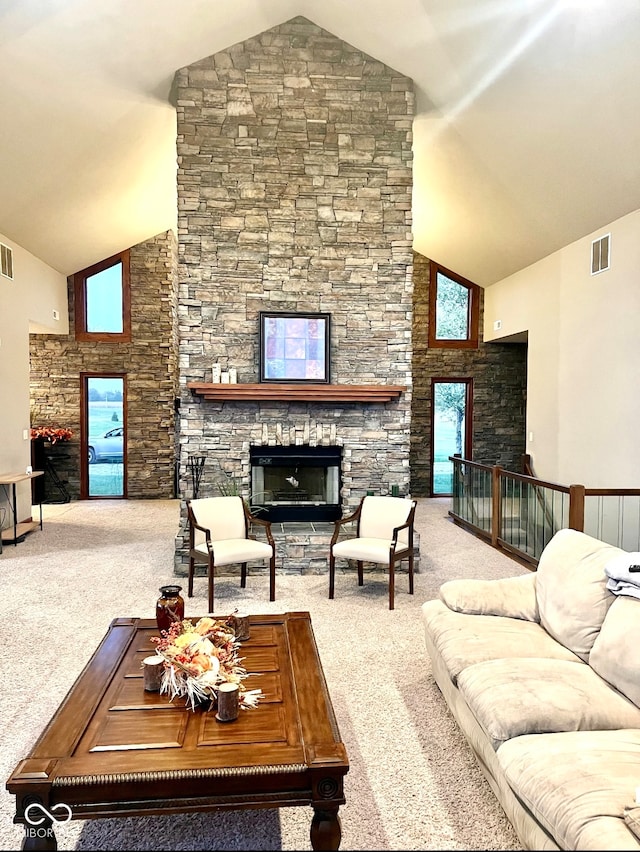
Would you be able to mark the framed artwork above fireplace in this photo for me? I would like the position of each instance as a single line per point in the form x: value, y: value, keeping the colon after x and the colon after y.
x: 295, y: 347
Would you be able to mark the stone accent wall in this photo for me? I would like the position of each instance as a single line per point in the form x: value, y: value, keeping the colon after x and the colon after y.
x: 150, y: 362
x: 294, y: 194
x: 499, y: 388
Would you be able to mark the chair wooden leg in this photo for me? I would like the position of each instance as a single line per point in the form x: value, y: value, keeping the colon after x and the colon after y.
x: 272, y: 578
x: 332, y: 572
x: 243, y: 575
x: 191, y: 572
x: 411, y: 572
x: 360, y: 574
x: 392, y: 584
x: 210, y: 586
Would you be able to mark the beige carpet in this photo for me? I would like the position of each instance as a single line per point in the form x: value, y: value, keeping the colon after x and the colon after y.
x: 413, y: 782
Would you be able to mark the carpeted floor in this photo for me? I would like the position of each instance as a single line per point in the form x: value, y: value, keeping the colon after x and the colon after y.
x: 413, y: 782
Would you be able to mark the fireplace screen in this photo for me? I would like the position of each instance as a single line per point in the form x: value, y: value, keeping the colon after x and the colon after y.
x: 299, y: 483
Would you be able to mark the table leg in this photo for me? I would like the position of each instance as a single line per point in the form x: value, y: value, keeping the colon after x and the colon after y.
x: 15, y: 514
x: 40, y: 838
x: 326, y: 831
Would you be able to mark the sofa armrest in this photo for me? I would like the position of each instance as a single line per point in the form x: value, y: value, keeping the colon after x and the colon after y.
x: 513, y: 597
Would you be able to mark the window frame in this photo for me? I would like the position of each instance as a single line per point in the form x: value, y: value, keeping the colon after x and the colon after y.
x: 467, y: 450
x: 80, y: 300
x: 473, y: 314
x: 85, y: 377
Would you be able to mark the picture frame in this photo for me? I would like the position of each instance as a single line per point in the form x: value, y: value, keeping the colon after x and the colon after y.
x: 295, y: 347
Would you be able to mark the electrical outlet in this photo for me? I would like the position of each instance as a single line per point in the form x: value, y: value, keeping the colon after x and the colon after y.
x: 25, y: 434
x: 56, y: 315
x: 497, y: 325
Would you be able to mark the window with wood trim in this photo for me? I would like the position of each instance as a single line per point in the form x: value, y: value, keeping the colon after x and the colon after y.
x: 103, y: 300
x: 454, y: 309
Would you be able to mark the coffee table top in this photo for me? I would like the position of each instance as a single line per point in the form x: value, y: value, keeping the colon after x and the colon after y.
x: 129, y: 746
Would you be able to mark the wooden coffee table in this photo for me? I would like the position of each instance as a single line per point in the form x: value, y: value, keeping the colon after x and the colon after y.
x: 112, y: 749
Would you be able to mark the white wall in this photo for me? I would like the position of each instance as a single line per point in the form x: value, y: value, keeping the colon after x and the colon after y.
x: 27, y: 301
x: 583, y: 372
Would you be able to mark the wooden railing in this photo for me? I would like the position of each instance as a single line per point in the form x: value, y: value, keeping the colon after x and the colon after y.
x: 519, y: 513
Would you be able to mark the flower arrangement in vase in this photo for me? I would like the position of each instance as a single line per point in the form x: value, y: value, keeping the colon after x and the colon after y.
x: 198, y: 658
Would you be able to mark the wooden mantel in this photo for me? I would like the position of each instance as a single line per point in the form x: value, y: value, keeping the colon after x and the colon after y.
x: 294, y: 392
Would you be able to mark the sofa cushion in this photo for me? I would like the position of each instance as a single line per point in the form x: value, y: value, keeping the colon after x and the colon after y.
x: 571, y: 588
x: 513, y: 597
x: 577, y: 784
x: 463, y: 639
x: 511, y: 697
x: 615, y: 655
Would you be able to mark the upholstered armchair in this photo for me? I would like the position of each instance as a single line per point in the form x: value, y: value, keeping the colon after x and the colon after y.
x: 384, y: 535
x: 220, y: 534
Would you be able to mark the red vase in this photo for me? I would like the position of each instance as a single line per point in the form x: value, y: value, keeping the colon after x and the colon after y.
x: 169, y: 606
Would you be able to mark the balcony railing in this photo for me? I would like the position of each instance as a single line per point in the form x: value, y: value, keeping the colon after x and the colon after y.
x: 520, y: 513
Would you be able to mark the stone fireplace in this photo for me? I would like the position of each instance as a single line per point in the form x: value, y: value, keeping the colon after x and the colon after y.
x: 297, y: 483
x: 294, y: 194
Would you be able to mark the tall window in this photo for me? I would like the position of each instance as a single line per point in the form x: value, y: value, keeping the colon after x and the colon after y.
x: 451, y: 429
x: 103, y: 432
x: 453, y: 310
x: 102, y: 300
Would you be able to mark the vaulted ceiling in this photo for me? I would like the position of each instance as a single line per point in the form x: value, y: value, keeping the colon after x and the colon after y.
x: 526, y: 136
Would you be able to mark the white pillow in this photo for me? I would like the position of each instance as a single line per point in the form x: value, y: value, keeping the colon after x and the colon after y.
x: 615, y: 655
x: 571, y: 589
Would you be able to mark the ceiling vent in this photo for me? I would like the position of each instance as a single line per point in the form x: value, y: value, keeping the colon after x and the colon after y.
x: 600, y: 254
x: 6, y: 261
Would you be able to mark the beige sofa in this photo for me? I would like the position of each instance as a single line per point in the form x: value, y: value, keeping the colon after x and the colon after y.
x: 542, y: 673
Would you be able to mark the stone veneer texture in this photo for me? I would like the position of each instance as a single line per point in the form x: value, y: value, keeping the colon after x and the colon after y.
x: 498, y: 371
x: 294, y: 194
x: 149, y: 361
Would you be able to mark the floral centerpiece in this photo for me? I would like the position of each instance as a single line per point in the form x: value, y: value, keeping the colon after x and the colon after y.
x: 199, y: 657
x: 51, y: 434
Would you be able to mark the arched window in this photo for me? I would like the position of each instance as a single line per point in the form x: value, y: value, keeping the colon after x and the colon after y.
x: 453, y: 310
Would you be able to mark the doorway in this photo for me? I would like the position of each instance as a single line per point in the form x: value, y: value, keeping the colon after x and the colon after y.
x: 103, y: 435
x: 451, y: 429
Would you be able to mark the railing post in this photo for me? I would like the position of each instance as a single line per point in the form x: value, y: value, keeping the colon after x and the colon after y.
x: 496, y: 505
x: 576, y: 507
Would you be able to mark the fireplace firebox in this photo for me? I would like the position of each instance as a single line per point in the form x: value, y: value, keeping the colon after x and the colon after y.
x: 297, y: 483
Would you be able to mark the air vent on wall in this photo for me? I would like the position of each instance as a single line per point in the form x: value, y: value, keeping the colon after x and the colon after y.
x: 600, y: 254
x: 6, y: 261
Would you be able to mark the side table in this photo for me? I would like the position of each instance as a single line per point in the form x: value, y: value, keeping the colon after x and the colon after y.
x: 19, y: 529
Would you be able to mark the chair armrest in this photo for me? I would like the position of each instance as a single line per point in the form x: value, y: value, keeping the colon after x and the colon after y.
x: 408, y: 525
x: 207, y: 535
x: 346, y: 520
x: 266, y: 525
x: 396, y: 530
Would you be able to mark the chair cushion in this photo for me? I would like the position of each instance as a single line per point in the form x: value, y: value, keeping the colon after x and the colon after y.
x: 533, y: 696
x: 577, y: 784
x: 380, y: 515
x: 571, y: 588
x: 223, y: 516
x: 365, y: 549
x: 236, y: 550
x: 464, y: 639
